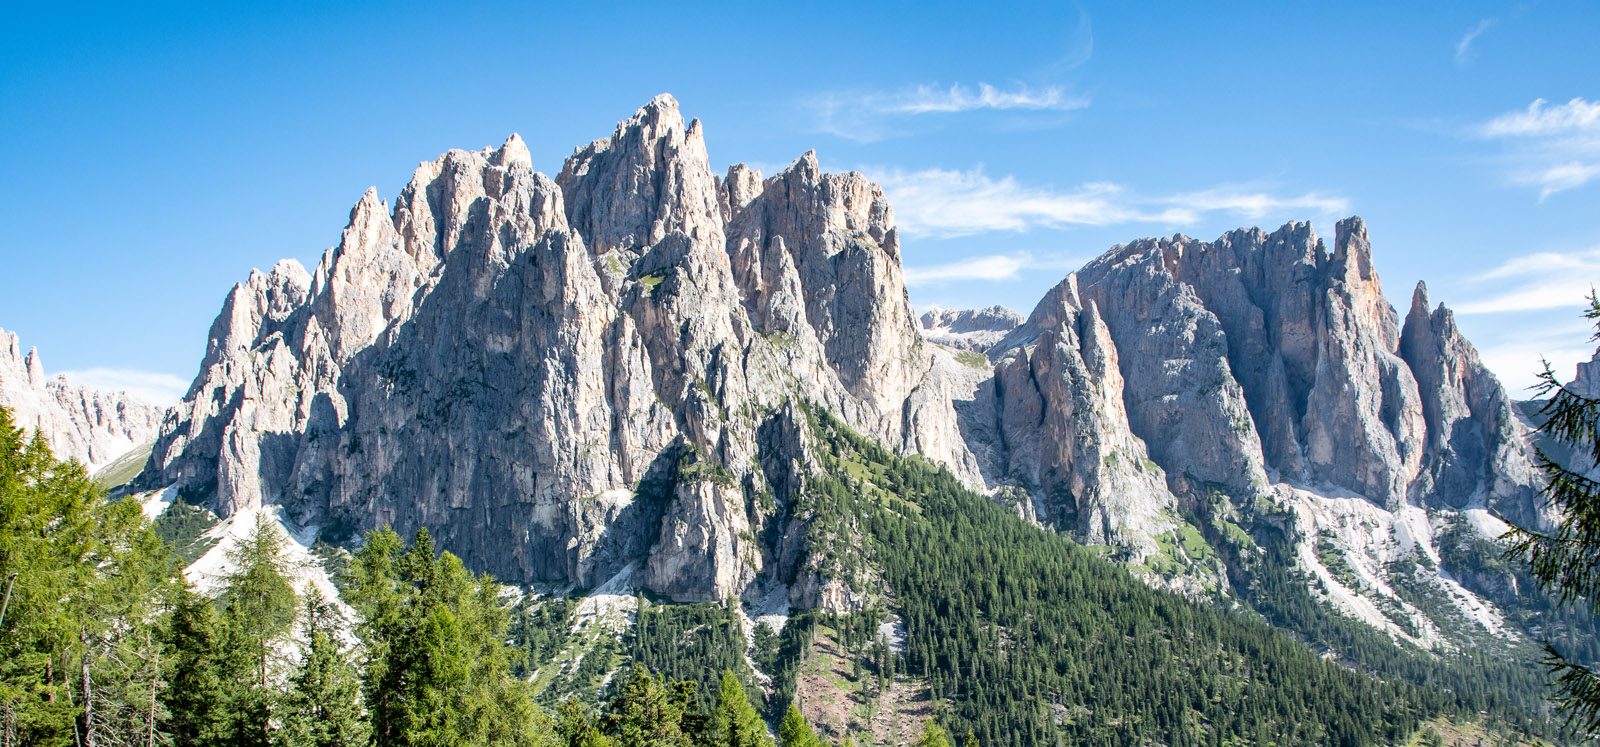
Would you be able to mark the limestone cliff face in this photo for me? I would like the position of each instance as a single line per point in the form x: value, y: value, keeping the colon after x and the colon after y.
x: 568, y: 378
x: 78, y: 422
x: 565, y: 377
x: 1475, y: 455
x: 1586, y: 377
x: 1066, y: 432
x: 1263, y: 367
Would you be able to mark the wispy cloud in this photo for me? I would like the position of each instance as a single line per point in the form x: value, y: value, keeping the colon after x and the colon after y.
x: 1515, y: 358
x: 1250, y: 204
x: 1544, y: 280
x: 1464, y: 53
x: 1552, y: 147
x: 156, y: 388
x: 872, y: 115
x: 1542, y: 119
x: 994, y: 267
x: 948, y: 203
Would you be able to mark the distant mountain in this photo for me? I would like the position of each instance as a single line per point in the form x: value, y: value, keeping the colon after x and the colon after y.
x: 79, y: 422
x: 969, y: 329
x: 607, y: 379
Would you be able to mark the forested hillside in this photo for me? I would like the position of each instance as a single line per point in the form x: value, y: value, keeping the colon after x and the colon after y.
x: 1032, y: 638
x: 1016, y: 635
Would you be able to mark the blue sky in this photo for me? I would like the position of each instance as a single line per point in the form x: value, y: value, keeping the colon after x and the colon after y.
x: 155, y: 154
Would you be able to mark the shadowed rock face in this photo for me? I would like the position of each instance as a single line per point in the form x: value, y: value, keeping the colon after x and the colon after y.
x: 564, y: 377
x: 1263, y: 357
x: 78, y: 422
x: 560, y: 377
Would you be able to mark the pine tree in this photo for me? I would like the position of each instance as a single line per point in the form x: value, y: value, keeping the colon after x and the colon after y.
x: 259, y: 607
x: 932, y: 735
x: 793, y: 731
x: 735, y: 723
x: 193, y: 651
x: 323, y: 705
x: 1565, y: 561
x: 79, y: 659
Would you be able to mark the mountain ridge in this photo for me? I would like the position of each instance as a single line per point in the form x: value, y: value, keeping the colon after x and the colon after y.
x: 79, y: 422
x: 565, y: 377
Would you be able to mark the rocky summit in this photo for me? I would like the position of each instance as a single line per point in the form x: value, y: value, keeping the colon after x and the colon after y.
x: 78, y: 422
x: 609, y: 371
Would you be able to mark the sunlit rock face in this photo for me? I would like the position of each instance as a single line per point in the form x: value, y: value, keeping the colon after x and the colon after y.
x: 78, y: 422
x: 562, y: 377
x: 570, y: 378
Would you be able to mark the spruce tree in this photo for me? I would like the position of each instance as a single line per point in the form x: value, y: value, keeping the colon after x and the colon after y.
x: 735, y: 723
x: 645, y: 714
x: 438, y: 667
x: 793, y: 731
x: 1565, y: 560
x: 258, y: 613
x: 196, y: 696
x: 323, y: 705
x: 573, y: 728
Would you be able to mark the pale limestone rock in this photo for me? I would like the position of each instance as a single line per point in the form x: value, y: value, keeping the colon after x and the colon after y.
x: 1067, y: 438
x: 1477, y: 455
x: 567, y: 378
x: 523, y: 365
x: 976, y: 330
x: 78, y: 422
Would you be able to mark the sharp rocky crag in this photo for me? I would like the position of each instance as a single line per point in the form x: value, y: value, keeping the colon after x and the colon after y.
x: 570, y: 378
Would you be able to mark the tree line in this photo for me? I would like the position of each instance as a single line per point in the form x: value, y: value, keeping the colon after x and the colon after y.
x: 103, y: 642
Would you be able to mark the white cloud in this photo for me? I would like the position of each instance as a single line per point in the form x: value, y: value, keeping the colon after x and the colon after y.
x: 946, y: 203
x: 1256, y: 204
x: 1562, y: 177
x: 1464, y: 47
x: 1552, y: 147
x: 1541, y: 119
x: 1517, y: 365
x: 994, y: 267
x: 1544, y: 280
x: 161, y: 389
x: 928, y: 99
x: 869, y: 115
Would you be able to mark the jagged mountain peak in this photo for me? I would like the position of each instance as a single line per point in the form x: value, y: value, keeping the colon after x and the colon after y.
x: 78, y: 422
x: 564, y: 378
x: 523, y: 364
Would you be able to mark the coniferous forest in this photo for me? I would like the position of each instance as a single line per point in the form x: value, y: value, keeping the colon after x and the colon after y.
x: 1018, y: 636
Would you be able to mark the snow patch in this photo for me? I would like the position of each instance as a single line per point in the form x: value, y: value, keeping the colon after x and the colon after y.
x: 611, y: 604
x: 1487, y: 525
x: 210, y: 571
x: 156, y: 502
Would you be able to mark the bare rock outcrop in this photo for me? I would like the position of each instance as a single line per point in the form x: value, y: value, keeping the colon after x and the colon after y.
x: 1476, y: 449
x: 568, y: 378
x: 78, y: 422
x: 564, y: 377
